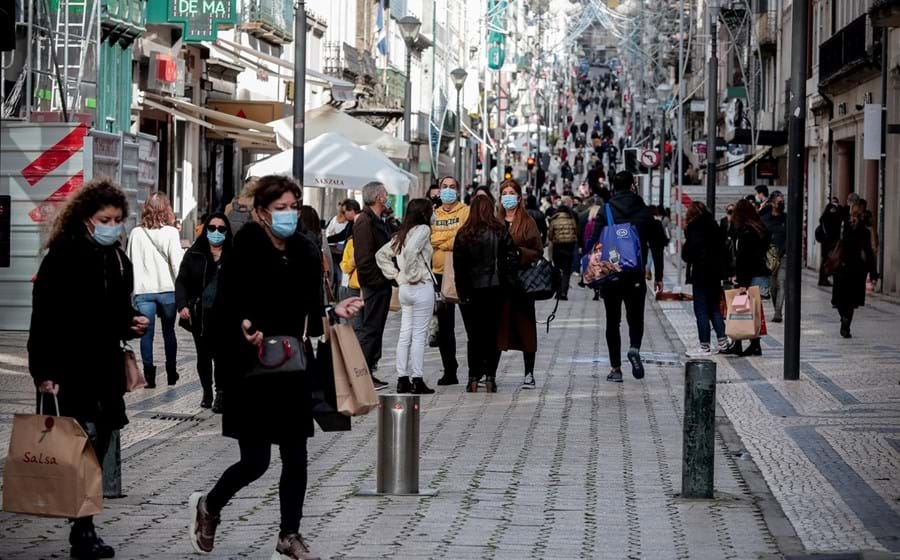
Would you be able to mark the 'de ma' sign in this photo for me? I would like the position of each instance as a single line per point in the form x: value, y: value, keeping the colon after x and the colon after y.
x: 201, y: 18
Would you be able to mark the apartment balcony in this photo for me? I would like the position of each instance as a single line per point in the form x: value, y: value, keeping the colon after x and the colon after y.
x: 269, y: 20
x: 885, y: 13
x: 349, y: 63
x: 850, y: 57
x: 420, y: 128
x: 766, y: 26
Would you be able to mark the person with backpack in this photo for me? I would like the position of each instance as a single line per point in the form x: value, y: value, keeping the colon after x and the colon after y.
x: 563, y: 236
x: 154, y: 247
x: 628, y: 286
x: 828, y: 233
x: 406, y: 260
x: 195, y: 294
x: 704, y: 247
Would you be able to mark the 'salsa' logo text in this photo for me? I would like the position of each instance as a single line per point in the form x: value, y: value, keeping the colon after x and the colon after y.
x: 40, y: 459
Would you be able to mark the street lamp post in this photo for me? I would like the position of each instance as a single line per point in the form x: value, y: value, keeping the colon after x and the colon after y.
x: 409, y: 30
x: 712, y: 107
x: 662, y: 90
x: 458, y: 76
x: 651, y: 107
x: 299, y: 88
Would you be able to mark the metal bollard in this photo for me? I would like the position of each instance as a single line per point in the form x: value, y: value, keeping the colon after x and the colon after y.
x: 397, y: 469
x: 698, y: 451
x: 112, y: 467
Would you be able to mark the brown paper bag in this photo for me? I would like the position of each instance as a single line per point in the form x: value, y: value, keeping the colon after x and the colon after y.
x: 51, y: 469
x: 350, y: 369
x: 395, y: 300
x: 448, y: 282
x: 743, y: 325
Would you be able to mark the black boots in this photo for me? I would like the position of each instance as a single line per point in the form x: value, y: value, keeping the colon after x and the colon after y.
x: 845, y: 328
x: 419, y: 387
x: 150, y: 377
x: 86, y: 545
x: 753, y: 349
x: 404, y: 385
x: 171, y: 373
x: 219, y: 404
x: 207, y: 400
x: 448, y: 379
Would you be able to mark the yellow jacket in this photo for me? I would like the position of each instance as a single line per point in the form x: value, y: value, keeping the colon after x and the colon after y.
x: 443, y: 232
x: 348, y: 265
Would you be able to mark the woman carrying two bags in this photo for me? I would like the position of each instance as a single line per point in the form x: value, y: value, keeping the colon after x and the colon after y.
x: 406, y: 260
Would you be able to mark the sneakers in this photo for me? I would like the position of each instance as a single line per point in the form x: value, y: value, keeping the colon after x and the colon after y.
x: 420, y: 388
x: 704, y: 351
x: 203, y: 524
x: 379, y: 384
x: 293, y: 547
x: 615, y: 376
x: 724, y: 344
x: 637, y: 366
x: 403, y: 384
x: 448, y: 379
x: 528, y: 383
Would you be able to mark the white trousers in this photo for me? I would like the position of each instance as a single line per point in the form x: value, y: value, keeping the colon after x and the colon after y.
x: 416, y: 307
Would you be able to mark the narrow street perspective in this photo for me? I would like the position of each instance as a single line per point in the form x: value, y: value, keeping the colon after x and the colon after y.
x: 450, y: 279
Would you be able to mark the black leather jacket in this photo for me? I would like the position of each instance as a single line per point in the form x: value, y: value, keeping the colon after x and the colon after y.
x: 483, y: 262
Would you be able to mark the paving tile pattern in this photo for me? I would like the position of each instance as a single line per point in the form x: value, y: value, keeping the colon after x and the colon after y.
x: 579, y: 468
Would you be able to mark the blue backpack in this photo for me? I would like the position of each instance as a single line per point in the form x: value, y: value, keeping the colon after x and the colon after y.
x: 619, y: 244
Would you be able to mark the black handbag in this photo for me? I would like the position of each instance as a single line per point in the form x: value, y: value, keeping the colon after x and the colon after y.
x: 539, y: 280
x: 279, y: 354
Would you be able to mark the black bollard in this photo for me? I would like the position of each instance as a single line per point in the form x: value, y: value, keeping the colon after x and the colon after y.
x: 698, y: 452
x: 112, y: 468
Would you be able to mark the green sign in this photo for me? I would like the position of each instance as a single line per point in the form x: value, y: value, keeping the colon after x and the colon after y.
x: 201, y: 18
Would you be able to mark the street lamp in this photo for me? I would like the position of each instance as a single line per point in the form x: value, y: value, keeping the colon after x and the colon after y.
x: 409, y: 30
x: 663, y: 90
x: 651, y: 104
x: 712, y: 106
x: 458, y: 76
x: 299, y: 89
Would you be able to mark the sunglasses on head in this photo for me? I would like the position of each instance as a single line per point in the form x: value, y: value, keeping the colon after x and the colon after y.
x: 220, y: 229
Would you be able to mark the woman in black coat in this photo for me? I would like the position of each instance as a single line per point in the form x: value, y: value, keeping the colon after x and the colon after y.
x: 751, y: 245
x: 195, y: 294
x: 703, y: 251
x: 85, y: 278
x: 853, y: 260
x: 483, y: 256
x: 272, y: 286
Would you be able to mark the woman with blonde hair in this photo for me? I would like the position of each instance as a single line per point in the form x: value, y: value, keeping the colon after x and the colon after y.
x: 518, y: 325
x: 155, y: 249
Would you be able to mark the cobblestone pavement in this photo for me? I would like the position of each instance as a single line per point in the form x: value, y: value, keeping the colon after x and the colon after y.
x: 579, y: 468
x: 828, y: 445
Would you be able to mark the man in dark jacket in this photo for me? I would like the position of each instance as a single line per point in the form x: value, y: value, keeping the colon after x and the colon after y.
x: 630, y: 288
x: 563, y: 234
x: 828, y: 234
x: 370, y: 233
x: 776, y: 224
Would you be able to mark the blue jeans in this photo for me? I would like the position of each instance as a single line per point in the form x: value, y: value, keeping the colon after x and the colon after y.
x: 706, y: 309
x: 151, y: 306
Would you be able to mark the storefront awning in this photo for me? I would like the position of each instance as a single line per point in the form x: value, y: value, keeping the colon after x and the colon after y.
x: 249, y: 134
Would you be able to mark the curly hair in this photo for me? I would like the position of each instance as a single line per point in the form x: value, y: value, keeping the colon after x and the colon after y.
x: 93, y: 197
x: 157, y: 211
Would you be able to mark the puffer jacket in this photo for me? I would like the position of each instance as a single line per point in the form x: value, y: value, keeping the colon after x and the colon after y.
x: 413, y: 259
x: 563, y: 227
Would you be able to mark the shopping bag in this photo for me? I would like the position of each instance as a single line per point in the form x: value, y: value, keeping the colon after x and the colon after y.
x: 51, y: 469
x: 394, y: 306
x: 354, y: 389
x: 322, y: 389
x: 448, y: 282
x: 743, y: 325
x: 134, y: 377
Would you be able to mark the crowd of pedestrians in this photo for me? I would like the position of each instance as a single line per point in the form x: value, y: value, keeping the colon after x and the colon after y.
x: 264, y: 274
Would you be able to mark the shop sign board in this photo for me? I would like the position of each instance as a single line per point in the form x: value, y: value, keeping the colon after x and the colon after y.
x: 201, y: 18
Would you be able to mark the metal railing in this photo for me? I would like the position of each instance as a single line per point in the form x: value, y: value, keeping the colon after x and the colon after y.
x: 850, y: 46
x: 275, y: 14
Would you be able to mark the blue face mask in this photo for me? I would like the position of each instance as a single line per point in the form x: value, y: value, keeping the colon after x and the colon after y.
x: 106, y: 235
x: 509, y: 201
x: 215, y: 238
x: 387, y: 201
x: 448, y: 196
x: 284, y: 223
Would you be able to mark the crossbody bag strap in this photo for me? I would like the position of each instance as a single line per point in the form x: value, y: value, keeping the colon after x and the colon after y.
x: 160, y: 251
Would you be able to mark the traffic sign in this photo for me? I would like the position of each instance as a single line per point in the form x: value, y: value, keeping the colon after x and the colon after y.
x: 650, y: 159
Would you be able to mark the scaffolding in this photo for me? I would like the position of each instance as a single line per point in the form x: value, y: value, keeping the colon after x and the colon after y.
x: 57, y: 78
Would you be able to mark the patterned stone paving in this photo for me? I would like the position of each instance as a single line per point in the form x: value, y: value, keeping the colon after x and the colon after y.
x: 826, y: 444
x: 578, y: 468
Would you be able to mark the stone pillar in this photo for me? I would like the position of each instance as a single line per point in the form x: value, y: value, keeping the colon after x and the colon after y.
x: 843, y: 180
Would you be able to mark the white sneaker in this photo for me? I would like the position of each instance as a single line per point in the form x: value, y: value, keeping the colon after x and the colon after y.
x: 529, y: 381
x: 701, y: 352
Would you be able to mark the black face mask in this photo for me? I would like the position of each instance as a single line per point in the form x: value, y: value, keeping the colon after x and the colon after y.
x: 781, y: 207
x: 436, y: 200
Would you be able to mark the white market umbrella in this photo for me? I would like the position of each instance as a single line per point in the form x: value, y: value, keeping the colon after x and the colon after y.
x: 531, y: 127
x: 332, y: 161
x: 375, y: 151
x: 328, y: 119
